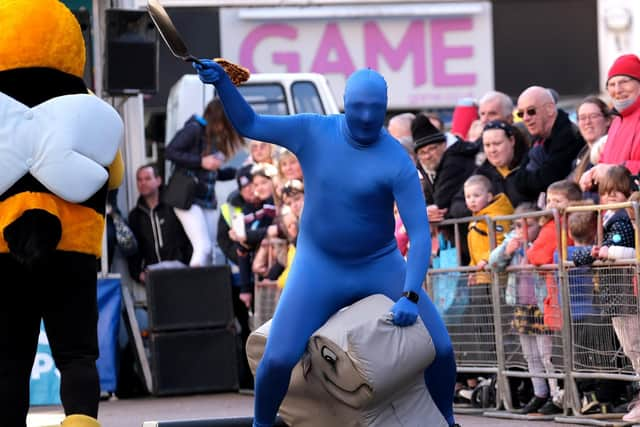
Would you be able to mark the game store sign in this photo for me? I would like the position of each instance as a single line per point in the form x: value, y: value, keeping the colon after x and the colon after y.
x: 431, y: 54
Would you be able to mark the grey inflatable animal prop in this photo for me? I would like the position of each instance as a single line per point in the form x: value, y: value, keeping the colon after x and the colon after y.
x: 359, y: 370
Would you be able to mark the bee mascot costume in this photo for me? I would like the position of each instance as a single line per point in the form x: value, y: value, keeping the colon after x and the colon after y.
x: 58, y: 156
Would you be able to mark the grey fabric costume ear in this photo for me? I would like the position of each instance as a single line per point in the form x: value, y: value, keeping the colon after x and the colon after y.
x: 359, y: 370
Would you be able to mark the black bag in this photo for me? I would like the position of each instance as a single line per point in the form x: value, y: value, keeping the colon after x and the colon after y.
x: 180, y: 190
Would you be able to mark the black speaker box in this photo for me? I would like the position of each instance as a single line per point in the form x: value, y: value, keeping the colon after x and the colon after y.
x: 189, y: 298
x: 131, y: 55
x: 185, y: 362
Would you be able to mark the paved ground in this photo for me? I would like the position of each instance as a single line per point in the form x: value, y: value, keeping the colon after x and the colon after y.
x: 133, y: 412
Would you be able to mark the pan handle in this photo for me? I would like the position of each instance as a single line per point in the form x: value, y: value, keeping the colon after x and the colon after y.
x: 192, y: 58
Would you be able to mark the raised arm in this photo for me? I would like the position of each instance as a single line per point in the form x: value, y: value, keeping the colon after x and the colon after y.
x: 280, y: 130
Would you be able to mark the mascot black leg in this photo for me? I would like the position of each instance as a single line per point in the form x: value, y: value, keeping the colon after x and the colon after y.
x: 19, y: 330
x: 70, y: 318
x: 62, y: 291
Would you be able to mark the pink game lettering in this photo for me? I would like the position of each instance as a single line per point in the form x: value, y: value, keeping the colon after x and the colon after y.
x: 423, y: 45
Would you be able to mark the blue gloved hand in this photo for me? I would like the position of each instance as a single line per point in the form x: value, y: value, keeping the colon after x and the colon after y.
x: 404, y: 312
x: 209, y: 71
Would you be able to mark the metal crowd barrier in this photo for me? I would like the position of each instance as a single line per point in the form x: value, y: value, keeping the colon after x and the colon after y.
x: 487, y: 333
x: 266, y: 292
x: 468, y: 311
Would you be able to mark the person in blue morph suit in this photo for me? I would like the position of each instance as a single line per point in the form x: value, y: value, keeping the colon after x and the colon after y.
x: 354, y: 169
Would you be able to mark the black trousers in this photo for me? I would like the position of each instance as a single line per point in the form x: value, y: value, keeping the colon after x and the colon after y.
x: 62, y: 291
x: 245, y: 259
x: 242, y: 314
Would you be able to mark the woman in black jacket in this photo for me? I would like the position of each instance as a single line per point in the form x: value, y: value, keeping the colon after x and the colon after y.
x: 201, y: 148
x: 505, y: 147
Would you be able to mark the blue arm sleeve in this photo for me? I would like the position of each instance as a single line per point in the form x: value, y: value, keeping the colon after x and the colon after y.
x: 413, y: 212
x: 273, y: 129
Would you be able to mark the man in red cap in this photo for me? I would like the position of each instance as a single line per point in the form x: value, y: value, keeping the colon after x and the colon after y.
x: 623, y: 141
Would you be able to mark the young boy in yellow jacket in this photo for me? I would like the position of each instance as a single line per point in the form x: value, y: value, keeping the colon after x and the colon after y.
x: 481, y: 201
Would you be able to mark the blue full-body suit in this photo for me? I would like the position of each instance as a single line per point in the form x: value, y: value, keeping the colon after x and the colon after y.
x: 353, y: 171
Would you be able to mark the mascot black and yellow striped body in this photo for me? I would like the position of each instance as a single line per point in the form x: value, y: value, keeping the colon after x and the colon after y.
x: 48, y: 245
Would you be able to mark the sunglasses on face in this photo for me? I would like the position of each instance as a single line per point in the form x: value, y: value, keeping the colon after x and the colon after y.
x: 530, y: 112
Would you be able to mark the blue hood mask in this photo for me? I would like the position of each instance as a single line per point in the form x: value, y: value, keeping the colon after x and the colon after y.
x: 365, y: 105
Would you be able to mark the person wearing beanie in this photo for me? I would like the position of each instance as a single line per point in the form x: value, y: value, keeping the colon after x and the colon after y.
x: 429, y: 145
x: 442, y: 170
x: 237, y: 201
x: 623, y: 141
x: 243, y: 176
x: 59, y: 158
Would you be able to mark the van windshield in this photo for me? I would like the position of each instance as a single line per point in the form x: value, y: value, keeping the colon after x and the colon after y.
x: 306, y: 98
x: 268, y: 98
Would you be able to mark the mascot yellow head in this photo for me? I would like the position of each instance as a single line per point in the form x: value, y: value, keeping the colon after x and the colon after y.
x: 40, y: 33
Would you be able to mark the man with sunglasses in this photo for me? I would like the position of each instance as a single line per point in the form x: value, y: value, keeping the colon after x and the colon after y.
x: 556, y: 141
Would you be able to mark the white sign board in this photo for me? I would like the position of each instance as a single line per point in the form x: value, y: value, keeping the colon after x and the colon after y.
x: 431, y: 54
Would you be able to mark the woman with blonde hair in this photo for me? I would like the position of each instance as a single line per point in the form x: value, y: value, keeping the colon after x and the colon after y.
x: 288, y: 169
x: 200, y: 148
x: 261, y: 152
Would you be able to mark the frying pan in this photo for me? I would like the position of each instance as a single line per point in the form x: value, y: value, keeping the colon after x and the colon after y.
x: 168, y: 31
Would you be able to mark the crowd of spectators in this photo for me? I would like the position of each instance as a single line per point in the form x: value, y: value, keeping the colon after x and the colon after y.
x: 497, y: 158
x: 531, y: 156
